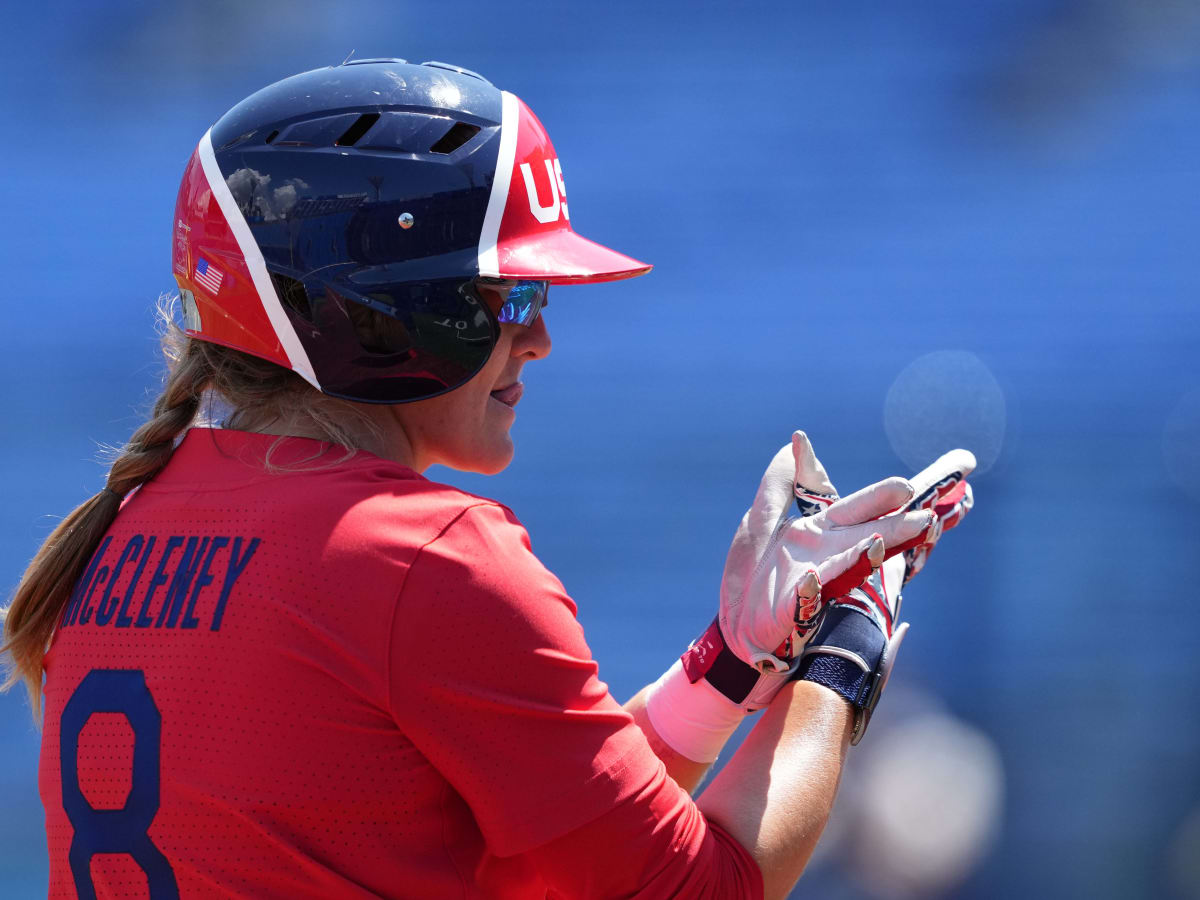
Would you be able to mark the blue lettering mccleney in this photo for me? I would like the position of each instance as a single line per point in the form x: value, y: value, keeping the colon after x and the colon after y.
x: 189, y: 577
x: 237, y: 565
x: 85, y: 612
x: 182, y: 582
x: 161, y: 577
x: 203, y: 580
x: 124, y: 620
x: 108, y: 603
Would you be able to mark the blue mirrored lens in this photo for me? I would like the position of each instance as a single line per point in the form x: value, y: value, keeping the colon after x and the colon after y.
x: 525, y: 301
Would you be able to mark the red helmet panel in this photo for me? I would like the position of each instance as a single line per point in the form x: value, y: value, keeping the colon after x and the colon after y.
x: 209, y: 264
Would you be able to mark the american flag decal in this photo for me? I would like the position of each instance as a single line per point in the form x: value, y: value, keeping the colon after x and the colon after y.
x: 208, y: 276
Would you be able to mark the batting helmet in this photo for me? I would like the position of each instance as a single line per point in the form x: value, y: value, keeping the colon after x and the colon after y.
x: 373, y: 185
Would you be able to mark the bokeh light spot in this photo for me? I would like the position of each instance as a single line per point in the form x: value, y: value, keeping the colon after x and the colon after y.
x: 933, y: 800
x: 943, y: 400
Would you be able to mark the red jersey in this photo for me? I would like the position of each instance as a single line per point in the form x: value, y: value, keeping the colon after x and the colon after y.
x: 320, y: 676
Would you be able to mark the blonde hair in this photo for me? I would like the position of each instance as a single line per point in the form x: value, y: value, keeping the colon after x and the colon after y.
x: 259, y: 393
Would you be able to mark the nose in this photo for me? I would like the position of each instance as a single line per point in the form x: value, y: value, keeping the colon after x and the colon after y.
x: 532, y: 342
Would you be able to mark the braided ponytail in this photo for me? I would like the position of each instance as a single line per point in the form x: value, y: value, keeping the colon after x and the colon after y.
x: 30, y: 620
x: 260, y: 395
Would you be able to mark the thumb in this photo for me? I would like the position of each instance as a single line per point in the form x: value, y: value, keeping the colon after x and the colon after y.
x: 941, y: 476
x: 953, y: 506
x: 773, y: 500
x: 813, y: 489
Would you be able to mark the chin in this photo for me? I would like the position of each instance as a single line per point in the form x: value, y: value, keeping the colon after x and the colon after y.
x: 494, y: 467
x: 489, y: 460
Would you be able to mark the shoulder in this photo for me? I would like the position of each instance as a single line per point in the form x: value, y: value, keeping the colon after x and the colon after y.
x: 482, y: 557
x: 482, y: 543
x: 323, y: 501
x: 397, y: 505
x: 437, y: 532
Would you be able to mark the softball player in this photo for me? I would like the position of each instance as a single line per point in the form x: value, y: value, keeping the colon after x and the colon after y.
x: 277, y: 661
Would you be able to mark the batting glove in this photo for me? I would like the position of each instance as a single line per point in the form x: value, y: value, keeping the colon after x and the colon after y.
x: 780, y: 567
x: 855, y: 646
x: 943, y: 488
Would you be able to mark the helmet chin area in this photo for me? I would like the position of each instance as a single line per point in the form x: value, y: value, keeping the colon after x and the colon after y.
x: 395, y: 344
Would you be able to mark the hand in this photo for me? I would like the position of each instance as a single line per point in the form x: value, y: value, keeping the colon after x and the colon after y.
x: 781, y: 566
x: 779, y: 569
x: 943, y: 488
x: 855, y: 646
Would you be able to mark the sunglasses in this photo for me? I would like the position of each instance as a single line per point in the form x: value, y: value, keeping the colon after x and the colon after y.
x: 521, y: 301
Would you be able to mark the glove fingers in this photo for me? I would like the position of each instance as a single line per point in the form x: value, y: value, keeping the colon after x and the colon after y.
x: 903, y: 532
x: 773, y: 501
x: 810, y: 602
x: 900, y: 531
x: 941, y: 476
x: 845, y: 571
x: 811, y: 477
x: 805, y: 614
x: 952, y: 495
x: 951, y: 512
x: 871, y: 502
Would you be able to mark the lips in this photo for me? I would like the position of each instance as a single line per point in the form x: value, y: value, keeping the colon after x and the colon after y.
x: 510, y: 395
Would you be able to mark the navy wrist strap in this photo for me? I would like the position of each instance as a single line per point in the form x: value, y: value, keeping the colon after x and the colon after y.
x: 848, y: 655
x: 839, y: 675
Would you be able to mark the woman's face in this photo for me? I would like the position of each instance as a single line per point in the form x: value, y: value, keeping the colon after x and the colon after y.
x: 467, y: 428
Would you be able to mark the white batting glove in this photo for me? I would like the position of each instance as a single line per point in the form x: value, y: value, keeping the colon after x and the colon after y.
x: 855, y: 647
x: 772, y: 594
x: 942, y: 487
x: 781, y: 564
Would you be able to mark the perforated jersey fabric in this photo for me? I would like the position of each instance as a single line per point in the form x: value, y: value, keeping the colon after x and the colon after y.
x: 332, y: 677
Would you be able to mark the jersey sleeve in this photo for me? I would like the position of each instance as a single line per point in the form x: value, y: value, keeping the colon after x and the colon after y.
x: 655, y: 845
x: 492, y: 681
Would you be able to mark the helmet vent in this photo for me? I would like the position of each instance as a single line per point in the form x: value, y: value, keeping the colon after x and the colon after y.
x: 458, y: 135
x: 270, y: 137
x: 361, y: 126
x: 450, y: 67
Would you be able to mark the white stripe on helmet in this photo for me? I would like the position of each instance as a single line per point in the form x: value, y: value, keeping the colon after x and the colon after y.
x: 255, y: 263
x: 489, y: 260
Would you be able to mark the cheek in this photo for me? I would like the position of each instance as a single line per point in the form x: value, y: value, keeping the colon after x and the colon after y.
x: 465, y: 428
x: 462, y: 408
x: 485, y: 381
x: 503, y: 349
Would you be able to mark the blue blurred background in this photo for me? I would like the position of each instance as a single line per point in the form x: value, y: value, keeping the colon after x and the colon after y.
x: 902, y: 227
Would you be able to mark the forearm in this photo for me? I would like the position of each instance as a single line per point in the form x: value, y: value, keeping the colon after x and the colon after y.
x: 776, y: 792
x: 686, y: 773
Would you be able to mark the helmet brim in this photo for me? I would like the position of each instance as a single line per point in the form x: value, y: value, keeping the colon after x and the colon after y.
x: 564, y: 257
